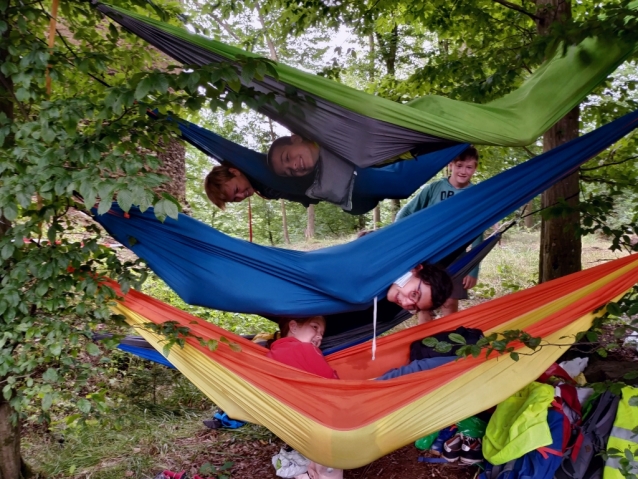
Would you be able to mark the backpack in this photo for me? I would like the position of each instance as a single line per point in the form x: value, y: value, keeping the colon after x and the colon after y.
x: 540, y: 463
x: 582, y: 459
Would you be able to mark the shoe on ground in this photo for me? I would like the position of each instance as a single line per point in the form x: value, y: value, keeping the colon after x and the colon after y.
x: 452, y: 448
x: 444, y: 435
x: 471, y: 451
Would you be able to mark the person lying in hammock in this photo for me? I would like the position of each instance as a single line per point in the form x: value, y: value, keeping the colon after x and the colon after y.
x: 293, y: 156
x: 298, y: 347
x: 227, y: 184
x: 297, y: 156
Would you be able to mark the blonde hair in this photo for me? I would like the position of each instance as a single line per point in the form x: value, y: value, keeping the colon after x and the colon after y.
x: 214, y: 182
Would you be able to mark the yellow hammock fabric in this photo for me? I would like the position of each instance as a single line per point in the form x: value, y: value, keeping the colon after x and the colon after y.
x: 350, y: 422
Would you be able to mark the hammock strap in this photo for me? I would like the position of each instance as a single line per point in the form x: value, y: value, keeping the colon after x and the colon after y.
x: 374, y: 329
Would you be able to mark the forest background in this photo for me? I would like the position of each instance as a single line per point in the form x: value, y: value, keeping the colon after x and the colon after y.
x: 87, y: 132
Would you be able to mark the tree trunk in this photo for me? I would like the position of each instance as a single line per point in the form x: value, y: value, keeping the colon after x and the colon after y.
x: 376, y: 217
x: 284, y: 221
x: 529, y: 219
x: 561, y: 247
x: 560, y: 250
x: 310, y: 230
x: 362, y: 222
x: 10, y: 459
x: 395, y: 206
x: 11, y: 463
x: 174, y: 166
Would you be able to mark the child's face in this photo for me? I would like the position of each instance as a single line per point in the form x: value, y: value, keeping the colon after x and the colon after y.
x: 238, y: 188
x: 297, y: 159
x: 461, y: 172
x: 414, y: 296
x: 308, y: 332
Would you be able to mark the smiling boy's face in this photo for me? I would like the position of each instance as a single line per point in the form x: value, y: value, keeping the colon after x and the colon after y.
x: 298, y: 158
x: 415, y: 295
x: 461, y: 172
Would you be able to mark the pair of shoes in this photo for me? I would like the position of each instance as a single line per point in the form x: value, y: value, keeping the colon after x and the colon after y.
x: 444, y: 435
x: 466, y: 449
x: 471, y: 451
x: 452, y: 448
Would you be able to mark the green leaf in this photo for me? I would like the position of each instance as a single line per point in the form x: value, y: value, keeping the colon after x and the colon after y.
x: 125, y: 199
x: 212, y: 344
x: 161, y: 83
x: 56, y: 349
x: 22, y: 94
x: 7, y: 392
x: 105, y: 206
x: 84, y: 406
x: 614, y: 310
x: 443, y: 347
x: 633, y: 401
x: 167, y: 208
x: 10, y: 211
x: 9, y: 68
x: 430, y: 342
x: 514, y: 356
x: 42, y: 288
x: 50, y: 375
x: 143, y: 88
x: 93, y: 349
x: 7, y: 251
x: 457, y: 338
x: 47, y: 401
x: 48, y: 135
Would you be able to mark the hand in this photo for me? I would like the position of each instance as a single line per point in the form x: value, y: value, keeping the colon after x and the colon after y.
x: 469, y: 282
x: 363, y: 233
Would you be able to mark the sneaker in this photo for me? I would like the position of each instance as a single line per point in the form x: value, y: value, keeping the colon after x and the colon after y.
x: 452, y: 448
x: 444, y: 435
x: 471, y: 451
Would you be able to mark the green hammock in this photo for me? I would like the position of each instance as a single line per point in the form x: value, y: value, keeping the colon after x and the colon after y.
x: 365, y: 129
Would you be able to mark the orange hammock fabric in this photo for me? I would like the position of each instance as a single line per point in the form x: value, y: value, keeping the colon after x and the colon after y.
x: 350, y: 422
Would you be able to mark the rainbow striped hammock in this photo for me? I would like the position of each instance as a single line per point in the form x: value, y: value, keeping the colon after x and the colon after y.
x: 350, y: 422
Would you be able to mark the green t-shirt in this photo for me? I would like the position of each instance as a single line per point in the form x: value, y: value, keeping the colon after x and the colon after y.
x: 430, y: 195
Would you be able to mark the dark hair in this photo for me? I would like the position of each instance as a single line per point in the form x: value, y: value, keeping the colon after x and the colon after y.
x: 439, y: 281
x: 281, y: 141
x: 284, y: 327
x: 470, y: 153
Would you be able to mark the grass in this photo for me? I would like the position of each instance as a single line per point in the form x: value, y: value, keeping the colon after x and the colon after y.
x: 138, y: 437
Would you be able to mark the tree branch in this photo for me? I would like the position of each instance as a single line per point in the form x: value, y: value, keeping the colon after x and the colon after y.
x: 518, y: 8
x: 592, y: 179
x: 225, y: 26
x: 610, y: 164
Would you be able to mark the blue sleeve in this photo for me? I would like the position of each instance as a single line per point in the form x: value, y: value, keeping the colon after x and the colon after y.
x: 416, y: 366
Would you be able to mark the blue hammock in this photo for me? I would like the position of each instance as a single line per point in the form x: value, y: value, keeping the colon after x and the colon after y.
x: 146, y: 353
x: 209, y: 268
x: 371, y: 185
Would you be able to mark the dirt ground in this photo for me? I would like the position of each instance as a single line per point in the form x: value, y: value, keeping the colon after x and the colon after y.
x: 252, y: 460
